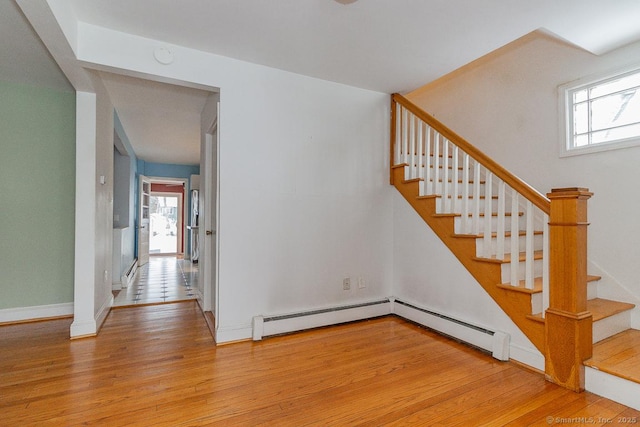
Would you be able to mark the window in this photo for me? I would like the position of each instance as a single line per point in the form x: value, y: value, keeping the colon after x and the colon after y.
x: 602, y: 114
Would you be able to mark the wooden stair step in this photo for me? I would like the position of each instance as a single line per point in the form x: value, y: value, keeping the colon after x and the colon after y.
x: 482, y: 181
x: 601, y: 308
x: 439, y: 196
x: 450, y: 167
x: 410, y: 180
x: 537, y: 285
x: 494, y: 234
x: 507, y: 258
x: 618, y: 355
x: 481, y: 214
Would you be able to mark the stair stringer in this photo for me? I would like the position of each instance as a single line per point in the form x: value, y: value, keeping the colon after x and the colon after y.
x: 516, y: 305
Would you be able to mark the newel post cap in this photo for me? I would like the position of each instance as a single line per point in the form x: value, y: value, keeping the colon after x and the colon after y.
x: 570, y: 192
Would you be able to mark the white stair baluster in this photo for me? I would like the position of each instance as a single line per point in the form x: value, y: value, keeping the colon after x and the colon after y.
x: 465, y: 193
x: 420, y: 151
x: 515, y: 252
x: 412, y: 146
x: 487, y: 215
x: 475, y: 217
x: 428, y: 162
x: 454, y: 177
x: 446, y: 195
x: 529, y: 247
x: 405, y: 136
x: 500, y: 233
x: 436, y: 162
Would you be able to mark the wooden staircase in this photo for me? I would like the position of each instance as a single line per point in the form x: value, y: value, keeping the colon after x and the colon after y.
x: 484, y: 253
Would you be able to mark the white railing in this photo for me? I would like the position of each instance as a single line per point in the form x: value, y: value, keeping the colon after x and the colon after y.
x: 508, y: 225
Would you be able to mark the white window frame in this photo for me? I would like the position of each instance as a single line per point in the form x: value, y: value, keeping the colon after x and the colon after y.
x: 565, y: 97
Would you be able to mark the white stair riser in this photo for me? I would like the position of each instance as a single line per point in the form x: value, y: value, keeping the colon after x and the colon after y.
x: 455, y: 205
x: 438, y: 188
x: 536, y: 303
x: 494, y: 224
x: 611, y: 325
x: 592, y: 289
x: 505, y: 270
x: 522, y: 241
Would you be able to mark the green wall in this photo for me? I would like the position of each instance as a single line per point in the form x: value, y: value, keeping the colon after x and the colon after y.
x: 37, y: 193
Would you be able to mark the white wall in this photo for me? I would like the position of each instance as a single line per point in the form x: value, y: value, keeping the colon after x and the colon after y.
x: 507, y: 105
x: 304, y: 196
x: 104, y: 199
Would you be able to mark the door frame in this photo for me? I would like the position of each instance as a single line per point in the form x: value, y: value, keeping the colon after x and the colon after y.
x: 210, y: 289
x: 185, y: 204
x: 180, y: 234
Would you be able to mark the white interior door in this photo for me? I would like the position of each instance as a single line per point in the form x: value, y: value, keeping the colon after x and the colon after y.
x: 144, y: 190
x: 208, y: 228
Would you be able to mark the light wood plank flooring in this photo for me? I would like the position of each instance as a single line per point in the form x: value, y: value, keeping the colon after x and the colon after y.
x: 157, y: 366
x: 619, y: 355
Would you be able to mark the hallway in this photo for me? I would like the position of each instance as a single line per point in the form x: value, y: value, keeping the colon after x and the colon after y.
x: 163, y: 279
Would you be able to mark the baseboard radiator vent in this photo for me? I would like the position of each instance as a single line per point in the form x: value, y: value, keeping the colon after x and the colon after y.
x: 495, y: 342
x: 128, y: 276
x: 264, y: 326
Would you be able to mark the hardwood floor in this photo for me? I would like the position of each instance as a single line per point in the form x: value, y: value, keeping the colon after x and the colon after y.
x: 619, y: 355
x: 157, y: 365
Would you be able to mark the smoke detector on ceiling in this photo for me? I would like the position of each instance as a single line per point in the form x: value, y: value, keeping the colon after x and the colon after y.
x: 346, y: 1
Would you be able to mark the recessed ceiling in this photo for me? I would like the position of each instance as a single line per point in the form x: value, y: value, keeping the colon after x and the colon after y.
x: 162, y: 121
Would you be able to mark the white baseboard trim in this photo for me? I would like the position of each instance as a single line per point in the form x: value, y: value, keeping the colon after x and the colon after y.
x: 83, y: 329
x: 229, y: 335
x: 527, y: 356
x: 25, y: 314
x: 615, y: 388
x: 279, y: 324
x: 89, y: 328
x: 103, y: 312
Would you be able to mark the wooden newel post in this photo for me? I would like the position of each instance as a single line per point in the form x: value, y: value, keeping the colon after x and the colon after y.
x: 568, y: 325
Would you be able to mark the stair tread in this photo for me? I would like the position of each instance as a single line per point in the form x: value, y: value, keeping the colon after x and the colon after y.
x: 439, y: 196
x: 601, y: 308
x: 450, y: 167
x: 507, y: 257
x: 618, y: 355
x: 537, y: 285
x: 481, y: 214
x: 494, y: 234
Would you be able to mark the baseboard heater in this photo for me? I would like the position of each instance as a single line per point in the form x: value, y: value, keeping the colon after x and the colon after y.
x: 496, y: 342
x: 264, y: 326
x: 127, y: 277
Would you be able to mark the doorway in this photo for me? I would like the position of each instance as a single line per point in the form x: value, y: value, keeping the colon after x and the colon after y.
x: 166, y: 223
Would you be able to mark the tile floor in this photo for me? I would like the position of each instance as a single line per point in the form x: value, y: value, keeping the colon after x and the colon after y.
x: 162, y: 279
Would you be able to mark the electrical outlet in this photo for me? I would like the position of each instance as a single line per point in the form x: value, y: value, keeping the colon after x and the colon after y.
x: 106, y: 276
x: 361, y: 283
x: 346, y: 284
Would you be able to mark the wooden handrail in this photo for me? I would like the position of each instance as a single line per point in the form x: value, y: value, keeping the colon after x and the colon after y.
x: 530, y: 193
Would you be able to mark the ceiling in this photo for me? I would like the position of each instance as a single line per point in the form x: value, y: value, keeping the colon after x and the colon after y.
x: 150, y: 113
x: 382, y: 45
